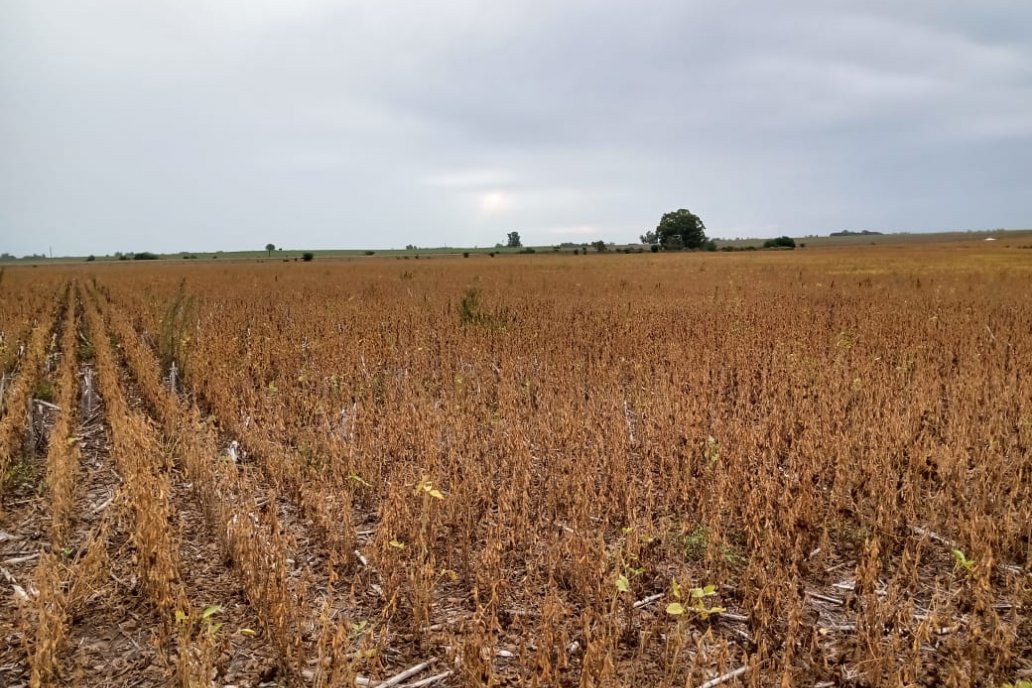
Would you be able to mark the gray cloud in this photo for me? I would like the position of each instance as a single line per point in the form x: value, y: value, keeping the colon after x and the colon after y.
x: 197, y: 125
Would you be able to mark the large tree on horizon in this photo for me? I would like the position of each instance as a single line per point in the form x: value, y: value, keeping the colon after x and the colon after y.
x: 681, y: 229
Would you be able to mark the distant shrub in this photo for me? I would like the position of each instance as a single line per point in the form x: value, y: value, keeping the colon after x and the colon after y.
x: 465, y: 254
x: 90, y: 258
x: 369, y: 253
x: 308, y: 256
x: 145, y: 255
x: 655, y: 248
x: 528, y: 249
x: 780, y: 242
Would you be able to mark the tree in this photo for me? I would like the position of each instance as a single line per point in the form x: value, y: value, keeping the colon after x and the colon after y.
x: 780, y: 242
x: 650, y: 237
x: 513, y: 240
x: 681, y: 229
x: 600, y: 246
x: 270, y: 248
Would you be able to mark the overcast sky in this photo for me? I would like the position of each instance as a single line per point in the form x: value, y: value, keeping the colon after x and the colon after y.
x: 207, y: 124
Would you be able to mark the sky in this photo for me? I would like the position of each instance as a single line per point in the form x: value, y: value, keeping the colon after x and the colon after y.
x: 224, y: 125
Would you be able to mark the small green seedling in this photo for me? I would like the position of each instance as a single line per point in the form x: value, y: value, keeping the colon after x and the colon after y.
x: 206, y: 616
x: 210, y: 626
x: 675, y: 608
x: 712, y: 449
x: 695, y: 543
x: 697, y: 605
x: 426, y: 486
x: 356, y: 478
x: 358, y: 628
x: 962, y: 560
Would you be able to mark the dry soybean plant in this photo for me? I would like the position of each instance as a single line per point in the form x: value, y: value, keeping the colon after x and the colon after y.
x: 722, y: 469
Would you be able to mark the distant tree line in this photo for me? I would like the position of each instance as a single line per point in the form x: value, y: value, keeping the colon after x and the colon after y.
x: 780, y: 242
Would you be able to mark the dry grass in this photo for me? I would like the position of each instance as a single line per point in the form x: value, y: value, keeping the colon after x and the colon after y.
x: 838, y: 441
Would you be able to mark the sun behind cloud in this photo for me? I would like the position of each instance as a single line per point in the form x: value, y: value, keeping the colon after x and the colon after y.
x: 494, y: 202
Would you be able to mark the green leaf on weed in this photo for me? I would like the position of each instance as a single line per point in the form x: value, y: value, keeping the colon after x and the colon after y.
x: 962, y: 559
